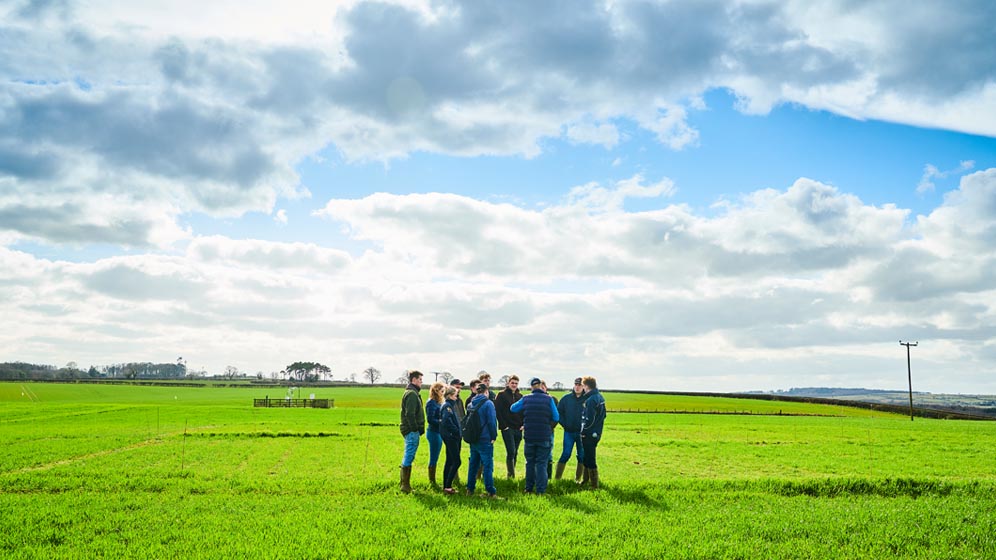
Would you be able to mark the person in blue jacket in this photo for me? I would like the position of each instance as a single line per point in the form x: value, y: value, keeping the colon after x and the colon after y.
x: 539, y: 413
x: 592, y: 422
x: 570, y: 419
x: 482, y: 452
x: 449, y: 429
x: 432, y: 409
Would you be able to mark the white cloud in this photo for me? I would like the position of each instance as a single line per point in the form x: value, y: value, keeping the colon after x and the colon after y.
x: 931, y: 172
x: 211, y: 116
x: 808, y: 279
x: 118, y: 121
x: 603, y: 134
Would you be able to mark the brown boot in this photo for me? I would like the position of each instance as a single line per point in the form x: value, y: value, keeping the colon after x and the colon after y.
x: 585, y: 477
x: 406, y: 480
x: 560, y: 470
x: 432, y: 476
x: 593, y: 478
x: 578, y: 473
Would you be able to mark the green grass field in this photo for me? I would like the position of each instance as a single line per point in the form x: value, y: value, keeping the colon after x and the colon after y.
x: 169, y: 472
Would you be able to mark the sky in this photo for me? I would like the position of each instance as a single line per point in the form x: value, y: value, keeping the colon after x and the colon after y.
x: 687, y: 195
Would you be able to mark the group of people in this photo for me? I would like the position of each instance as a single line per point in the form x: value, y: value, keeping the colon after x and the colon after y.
x: 530, y: 418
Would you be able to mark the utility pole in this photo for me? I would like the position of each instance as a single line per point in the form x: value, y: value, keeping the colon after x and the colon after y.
x: 909, y: 372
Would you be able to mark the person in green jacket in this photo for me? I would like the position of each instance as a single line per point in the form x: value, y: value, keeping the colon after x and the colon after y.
x: 412, y: 426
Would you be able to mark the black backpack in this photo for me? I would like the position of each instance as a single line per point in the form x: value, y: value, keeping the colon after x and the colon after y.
x: 471, y: 426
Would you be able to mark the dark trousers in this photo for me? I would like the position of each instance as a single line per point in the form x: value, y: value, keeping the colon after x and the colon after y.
x: 537, y: 460
x: 512, y: 437
x: 452, y: 464
x: 589, y: 444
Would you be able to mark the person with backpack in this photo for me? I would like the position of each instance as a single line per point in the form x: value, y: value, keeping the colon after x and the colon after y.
x: 449, y: 429
x: 412, y: 426
x: 539, y: 414
x: 482, y: 423
x: 592, y: 422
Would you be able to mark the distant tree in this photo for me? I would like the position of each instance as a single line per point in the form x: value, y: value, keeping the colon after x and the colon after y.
x: 371, y: 374
x: 503, y: 380
x: 558, y: 386
x: 71, y: 366
x: 308, y: 371
x: 352, y: 378
x: 446, y: 377
x: 402, y: 379
x: 231, y: 372
x: 92, y: 372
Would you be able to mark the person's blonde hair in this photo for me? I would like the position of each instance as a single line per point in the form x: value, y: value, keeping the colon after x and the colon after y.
x: 450, y: 391
x: 436, y: 392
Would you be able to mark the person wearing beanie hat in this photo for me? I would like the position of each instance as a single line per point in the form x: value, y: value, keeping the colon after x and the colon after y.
x: 538, y: 413
x: 570, y: 420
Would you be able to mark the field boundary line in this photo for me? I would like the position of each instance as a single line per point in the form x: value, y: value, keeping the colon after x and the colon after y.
x: 84, y: 457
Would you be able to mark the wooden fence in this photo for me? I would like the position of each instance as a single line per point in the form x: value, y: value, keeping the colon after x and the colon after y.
x: 294, y: 403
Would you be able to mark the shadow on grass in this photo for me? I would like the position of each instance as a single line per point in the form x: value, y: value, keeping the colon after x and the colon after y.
x: 634, y: 496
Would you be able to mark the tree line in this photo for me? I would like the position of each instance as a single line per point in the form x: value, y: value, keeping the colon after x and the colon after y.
x: 133, y: 370
x: 297, y: 371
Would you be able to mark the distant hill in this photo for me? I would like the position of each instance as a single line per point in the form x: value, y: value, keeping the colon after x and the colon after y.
x: 980, y: 405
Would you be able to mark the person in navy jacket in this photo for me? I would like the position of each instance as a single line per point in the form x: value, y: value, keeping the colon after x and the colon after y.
x: 449, y: 429
x: 592, y: 423
x: 539, y: 414
x: 482, y: 452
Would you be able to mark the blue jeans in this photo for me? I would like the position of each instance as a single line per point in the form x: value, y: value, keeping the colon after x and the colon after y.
x: 572, y: 439
x: 537, y: 458
x: 482, y: 454
x: 411, y: 446
x: 435, y: 445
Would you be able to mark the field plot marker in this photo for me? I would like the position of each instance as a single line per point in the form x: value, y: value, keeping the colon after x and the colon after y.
x: 909, y: 372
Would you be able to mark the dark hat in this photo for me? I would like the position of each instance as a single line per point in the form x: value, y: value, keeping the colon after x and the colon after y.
x: 456, y: 382
x: 535, y: 381
x: 577, y: 380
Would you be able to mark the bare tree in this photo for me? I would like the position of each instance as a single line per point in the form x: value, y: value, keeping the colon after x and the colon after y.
x: 231, y: 372
x: 446, y: 377
x: 372, y: 374
x: 503, y: 381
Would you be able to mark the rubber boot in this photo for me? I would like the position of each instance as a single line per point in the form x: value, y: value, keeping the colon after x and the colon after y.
x: 578, y: 473
x: 593, y: 478
x: 510, y: 465
x: 406, y: 480
x: 560, y: 470
x: 432, y: 476
x: 585, y: 474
